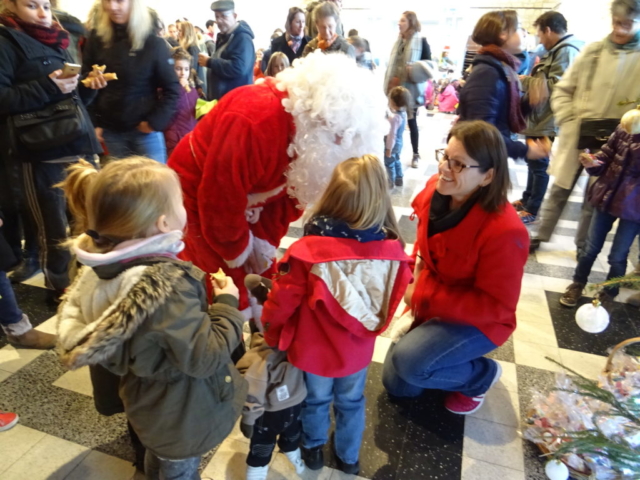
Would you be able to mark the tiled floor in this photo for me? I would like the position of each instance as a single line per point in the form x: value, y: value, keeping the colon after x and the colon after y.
x: 60, y: 435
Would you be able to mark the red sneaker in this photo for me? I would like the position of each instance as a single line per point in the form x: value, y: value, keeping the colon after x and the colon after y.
x: 458, y: 403
x: 7, y: 420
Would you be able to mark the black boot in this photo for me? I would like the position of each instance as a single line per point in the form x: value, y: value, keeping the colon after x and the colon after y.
x: 28, y: 268
x: 313, y: 457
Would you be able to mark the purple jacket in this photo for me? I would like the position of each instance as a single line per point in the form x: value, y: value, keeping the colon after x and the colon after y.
x: 183, y: 121
x: 617, y: 191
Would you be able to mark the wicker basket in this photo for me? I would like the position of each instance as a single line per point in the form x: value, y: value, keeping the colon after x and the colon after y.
x: 579, y: 475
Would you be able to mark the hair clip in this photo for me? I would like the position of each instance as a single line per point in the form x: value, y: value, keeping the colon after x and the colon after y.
x: 93, y: 234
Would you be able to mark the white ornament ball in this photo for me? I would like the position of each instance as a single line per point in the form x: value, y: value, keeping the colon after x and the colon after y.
x: 556, y: 470
x: 592, y: 319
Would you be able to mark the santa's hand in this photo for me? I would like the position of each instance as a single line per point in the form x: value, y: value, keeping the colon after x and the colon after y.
x: 252, y: 215
x: 402, y: 326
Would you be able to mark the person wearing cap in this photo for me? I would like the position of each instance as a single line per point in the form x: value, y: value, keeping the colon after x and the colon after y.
x: 231, y: 65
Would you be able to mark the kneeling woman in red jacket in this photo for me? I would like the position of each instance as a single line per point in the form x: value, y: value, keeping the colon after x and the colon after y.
x: 471, y: 252
x: 337, y: 289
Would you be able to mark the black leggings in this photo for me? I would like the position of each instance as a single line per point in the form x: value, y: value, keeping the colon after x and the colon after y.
x: 413, y: 128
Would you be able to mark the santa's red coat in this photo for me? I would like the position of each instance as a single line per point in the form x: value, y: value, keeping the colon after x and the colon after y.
x: 234, y: 159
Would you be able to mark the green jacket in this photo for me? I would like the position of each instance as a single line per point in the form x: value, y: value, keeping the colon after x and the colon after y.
x: 147, y: 321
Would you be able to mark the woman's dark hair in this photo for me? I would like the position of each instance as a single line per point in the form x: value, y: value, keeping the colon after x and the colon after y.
x: 491, y: 25
x: 484, y: 143
x: 555, y: 21
x: 293, y: 11
x: 414, y: 23
x: 210, y: 23
x: 628, y: 8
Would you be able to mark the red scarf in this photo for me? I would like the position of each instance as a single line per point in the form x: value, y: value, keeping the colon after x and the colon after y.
x: 54, y: 36
x: 325, y: 44
x: 517, y: 122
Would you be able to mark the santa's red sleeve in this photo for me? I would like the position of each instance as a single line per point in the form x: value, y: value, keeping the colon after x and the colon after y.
x: 233, y: 165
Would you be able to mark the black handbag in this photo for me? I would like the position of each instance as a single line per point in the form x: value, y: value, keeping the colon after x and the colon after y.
x: 595, y: 132
x: 51, y: 127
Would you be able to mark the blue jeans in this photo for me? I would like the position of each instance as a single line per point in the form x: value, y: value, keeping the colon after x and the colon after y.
x: 156, y: 468
x: 10, y: 312
x: 440, y: 356
x: 134, y: 142
x: 347, y: 395
x: 537, y: 183
x: 601, y: 224
x: 393, y: 165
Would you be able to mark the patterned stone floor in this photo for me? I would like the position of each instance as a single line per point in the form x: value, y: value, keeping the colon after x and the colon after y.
x: 60, y: 436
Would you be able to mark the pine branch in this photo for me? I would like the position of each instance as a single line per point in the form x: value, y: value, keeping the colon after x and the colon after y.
x: 629, y: 281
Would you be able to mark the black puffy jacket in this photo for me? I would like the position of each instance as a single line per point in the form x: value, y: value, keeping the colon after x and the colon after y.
x: 25, y: 86
x: 147, y: 88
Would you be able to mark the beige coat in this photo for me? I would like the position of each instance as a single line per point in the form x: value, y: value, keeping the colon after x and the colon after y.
x: 615, y: 80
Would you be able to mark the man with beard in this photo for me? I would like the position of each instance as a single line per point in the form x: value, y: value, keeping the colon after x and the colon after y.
x: 265, y: 152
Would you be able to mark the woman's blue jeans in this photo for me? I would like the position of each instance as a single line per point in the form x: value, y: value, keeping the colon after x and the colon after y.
x: 134, y: 142
x: 440, y: 356
x: 347, y: 395
x: 601, y: 224
x: 10, y: 312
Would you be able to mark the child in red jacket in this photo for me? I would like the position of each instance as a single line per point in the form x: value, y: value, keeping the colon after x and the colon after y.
x: 336, y: 290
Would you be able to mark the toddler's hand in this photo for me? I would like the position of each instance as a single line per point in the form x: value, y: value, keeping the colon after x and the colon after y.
x: 387, y: 153
x: 229, y: 289
x: 589, y: 161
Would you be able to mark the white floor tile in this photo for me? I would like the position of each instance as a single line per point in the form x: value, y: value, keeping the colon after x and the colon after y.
x: 553, y: 284
x: 585, y: 364
x: 533, y: 313
x: 13, y: 359
x: 15, y: 443
x: 543, y: 334
x: 381, y: 348
x: 100, y: 466
x: 49, y: 326
x: 4, y: 375
x: 286, y: 242
x: 500, y: 406
x: 51, y: 458
x: 530, y: 280
x: 236, y: 434
x: 487, y: 440
x: 77, y: 381
x: 229, y: 461
x: 533, y: 295
x: 36, y: 281
x: 338, y: 475
x: 509, y: 378
x: 533, y: 355
x: 473, y: 469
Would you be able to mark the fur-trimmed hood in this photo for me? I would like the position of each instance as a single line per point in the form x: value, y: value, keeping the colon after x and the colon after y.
x: 113, y: 310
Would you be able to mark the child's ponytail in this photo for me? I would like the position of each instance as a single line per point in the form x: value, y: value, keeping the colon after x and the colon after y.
x: 80, y: 176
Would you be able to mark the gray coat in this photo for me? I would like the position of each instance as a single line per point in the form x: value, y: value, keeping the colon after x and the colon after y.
x: 340, y: 45
x: 552, y: 66
x: 181, y: 392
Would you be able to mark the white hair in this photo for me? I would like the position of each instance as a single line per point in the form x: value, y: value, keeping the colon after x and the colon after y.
x: 330, y: 98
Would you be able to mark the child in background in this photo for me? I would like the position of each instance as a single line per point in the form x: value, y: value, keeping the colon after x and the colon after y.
x: 276, y: 392
x: 399, y: 102
x: 184, y: 119
x: 141, y: 313
x: 277, y: 63
x: 448, y: 99
x: 336, y: 290
x: 614, y: 196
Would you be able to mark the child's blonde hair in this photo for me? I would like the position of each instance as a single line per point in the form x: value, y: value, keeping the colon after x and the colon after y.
x: 123, y: 201
x: 357, y: 194
x: 272, y: 62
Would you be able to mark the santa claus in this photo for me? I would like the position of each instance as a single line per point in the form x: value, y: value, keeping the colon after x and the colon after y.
x: 265, y: 152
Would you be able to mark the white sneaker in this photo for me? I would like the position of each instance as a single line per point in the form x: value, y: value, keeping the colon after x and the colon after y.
x: 257, y: 473
x: 296, y: 459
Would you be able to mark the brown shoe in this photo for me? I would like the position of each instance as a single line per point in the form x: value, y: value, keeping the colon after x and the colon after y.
x: 34, y: 339
x: 572, y: 294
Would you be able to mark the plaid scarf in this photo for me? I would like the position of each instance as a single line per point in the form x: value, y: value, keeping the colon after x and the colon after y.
x: 54, y: 36
x: 294, y: 42
x: 517, y: 122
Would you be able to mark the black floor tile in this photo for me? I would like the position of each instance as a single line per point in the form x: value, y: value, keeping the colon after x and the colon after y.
x: 33, y: 302
x: 429, y: 463
x: 624, y: 323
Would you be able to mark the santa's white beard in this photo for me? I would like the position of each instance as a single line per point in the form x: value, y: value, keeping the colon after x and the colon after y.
x: 316, y: 156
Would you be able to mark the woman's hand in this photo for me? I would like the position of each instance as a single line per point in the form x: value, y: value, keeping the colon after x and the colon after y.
x: 97, y: 80
x: 536, y: 150
x: 66, y: 85
x: 203, y: 59
x: 229, y: 289
x: 589, y: 161
x: 144, y: 127
x: 99, y: 132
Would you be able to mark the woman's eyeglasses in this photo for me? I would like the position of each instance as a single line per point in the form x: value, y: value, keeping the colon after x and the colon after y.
x: 454, y: 165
